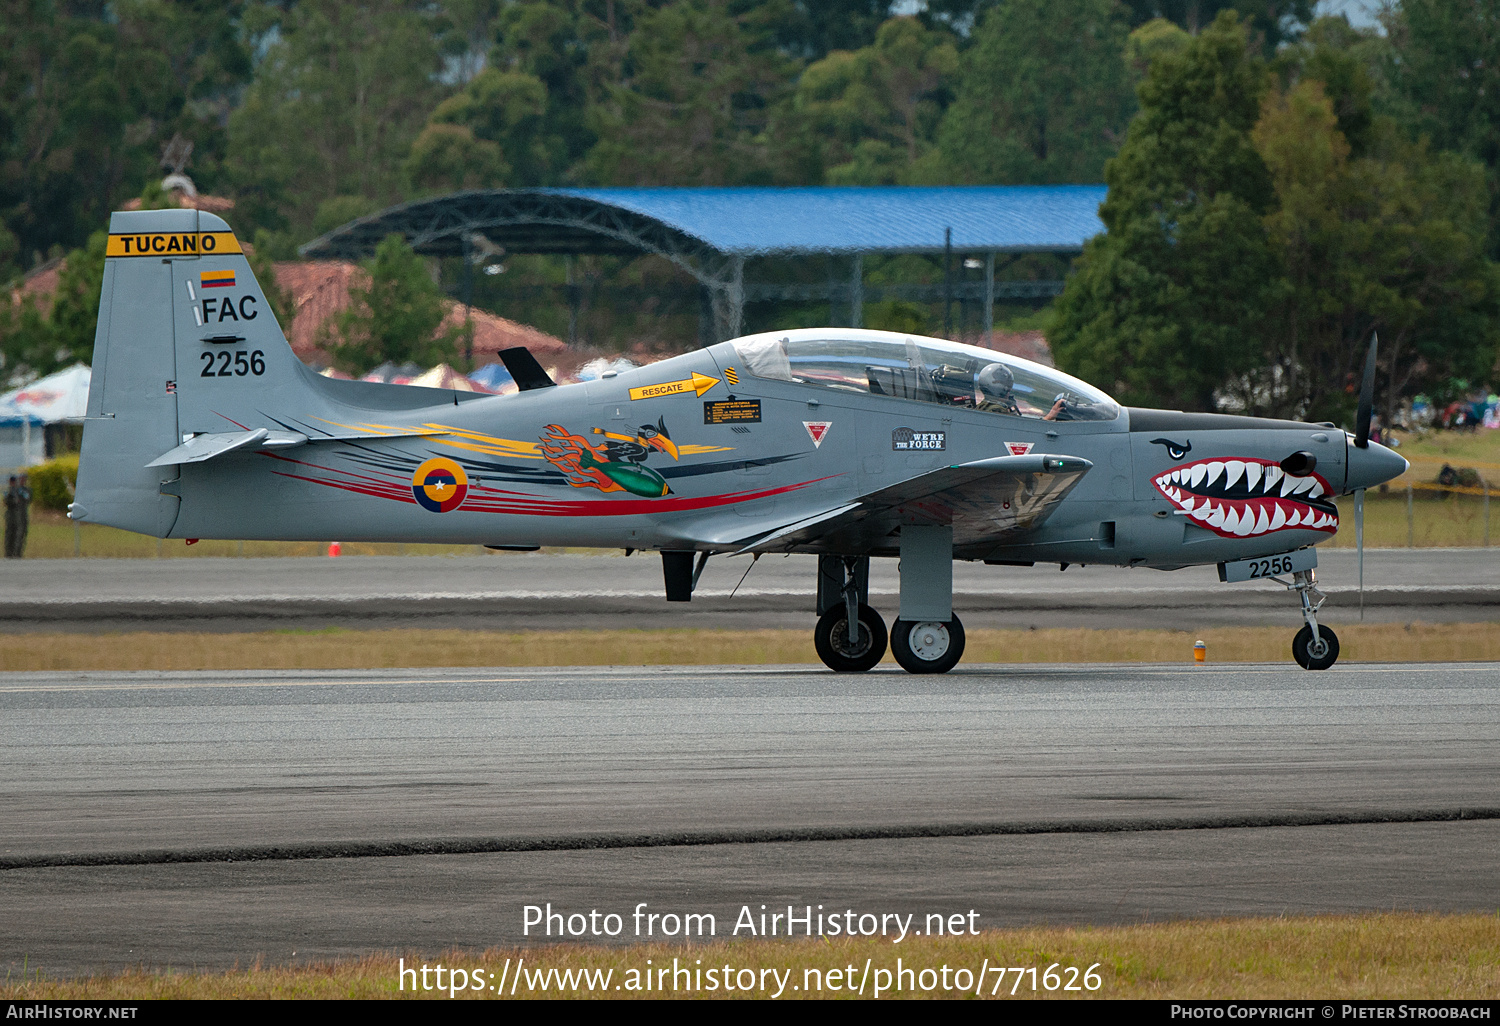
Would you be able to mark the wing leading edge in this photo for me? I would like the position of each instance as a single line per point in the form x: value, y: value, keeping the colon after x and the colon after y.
x: 984, y: 501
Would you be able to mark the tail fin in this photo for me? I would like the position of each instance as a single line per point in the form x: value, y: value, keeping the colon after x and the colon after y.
x: 187, y: 345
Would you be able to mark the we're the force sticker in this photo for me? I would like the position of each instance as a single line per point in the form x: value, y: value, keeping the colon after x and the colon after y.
x: 904, y: 439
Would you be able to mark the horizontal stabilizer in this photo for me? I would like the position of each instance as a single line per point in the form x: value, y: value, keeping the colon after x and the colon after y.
x: 207, y: 446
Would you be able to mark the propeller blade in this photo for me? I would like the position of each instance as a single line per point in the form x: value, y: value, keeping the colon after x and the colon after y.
x: 1366, y: 397
x: 1359, y: 542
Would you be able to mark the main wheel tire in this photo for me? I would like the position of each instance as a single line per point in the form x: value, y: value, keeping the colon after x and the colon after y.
x: 1311, y: 656
x: 831, y: 639
x: 927, y: 646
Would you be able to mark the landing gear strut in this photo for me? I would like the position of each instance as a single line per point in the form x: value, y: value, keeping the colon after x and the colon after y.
x: 850, y: 636
x: 1315, y: 647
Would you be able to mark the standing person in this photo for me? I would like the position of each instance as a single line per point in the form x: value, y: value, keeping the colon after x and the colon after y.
x: 12, y: 516
x: 25, y: 510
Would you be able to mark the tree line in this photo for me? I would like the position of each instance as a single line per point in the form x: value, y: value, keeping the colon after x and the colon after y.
x: 1279, y: 186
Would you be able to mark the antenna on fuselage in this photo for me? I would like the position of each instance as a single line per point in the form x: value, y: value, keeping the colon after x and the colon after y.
x: 524, y: 368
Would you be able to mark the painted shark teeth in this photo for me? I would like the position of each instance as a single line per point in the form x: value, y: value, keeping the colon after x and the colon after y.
x: 1245, y: 498
x: 1233, y: 471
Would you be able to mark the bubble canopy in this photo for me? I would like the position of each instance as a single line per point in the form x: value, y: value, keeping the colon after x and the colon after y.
x: 924, y: 370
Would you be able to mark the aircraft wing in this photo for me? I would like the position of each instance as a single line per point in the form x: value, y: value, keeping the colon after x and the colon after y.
x: 984, y: 501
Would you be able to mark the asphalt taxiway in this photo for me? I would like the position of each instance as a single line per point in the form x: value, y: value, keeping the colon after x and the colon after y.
x: 553, y: 591
x: 206, y: 819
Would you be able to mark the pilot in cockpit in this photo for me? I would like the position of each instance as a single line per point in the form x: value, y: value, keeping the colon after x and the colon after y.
x: 994, y: 389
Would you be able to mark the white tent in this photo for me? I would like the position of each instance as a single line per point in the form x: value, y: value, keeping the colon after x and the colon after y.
x: 57, y: 398
x: 443, y: 376
x: 22, y: 443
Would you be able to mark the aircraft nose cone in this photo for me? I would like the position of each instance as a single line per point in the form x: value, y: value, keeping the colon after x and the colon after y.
x: 1372, y: 466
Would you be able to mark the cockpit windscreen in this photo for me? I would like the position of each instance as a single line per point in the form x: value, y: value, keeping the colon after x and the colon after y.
x: 928, y: 370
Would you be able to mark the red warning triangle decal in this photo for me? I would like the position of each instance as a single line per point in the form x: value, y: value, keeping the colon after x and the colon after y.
x: 818, y: 430
x: 1019, y: 448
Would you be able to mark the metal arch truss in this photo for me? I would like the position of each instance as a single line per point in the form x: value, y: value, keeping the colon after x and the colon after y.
x: 543, y: 222
x: 761, y: 292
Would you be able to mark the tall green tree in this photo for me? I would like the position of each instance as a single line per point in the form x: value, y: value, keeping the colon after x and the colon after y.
x: 1270, y: 22
x: 1389, y: 240
x: 37, y: 339
x: 871, y: 113
x: 90, y: 93
x: 1447, y: 72
x: 693, y: 102
x: 393, y: 314
x: 1045, y: 96
x: 493, y: 129
x: 1166, y: 306
x: 812, y: 29
x: 336, y: 103
x: 572, y: 48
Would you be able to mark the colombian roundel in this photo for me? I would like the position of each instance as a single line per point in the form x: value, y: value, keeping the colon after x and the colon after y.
x: 440, y: 485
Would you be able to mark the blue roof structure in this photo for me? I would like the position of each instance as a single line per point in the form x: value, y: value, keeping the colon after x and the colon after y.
x: 717, y: 223
x: 710, y: 233
x: 889, y: 219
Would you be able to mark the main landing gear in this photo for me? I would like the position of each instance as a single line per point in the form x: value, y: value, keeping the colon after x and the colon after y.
x: 1315, y: 647
x: 843, y: 599
x: 928, y: 646
x: 847, y: 651
x: 926, y: 638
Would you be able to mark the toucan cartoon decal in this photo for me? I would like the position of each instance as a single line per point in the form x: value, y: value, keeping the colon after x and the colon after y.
x: 617, y: 464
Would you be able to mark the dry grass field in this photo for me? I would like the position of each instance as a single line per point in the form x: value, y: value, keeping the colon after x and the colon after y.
x: 1406, y: 956
x: 356, y: 650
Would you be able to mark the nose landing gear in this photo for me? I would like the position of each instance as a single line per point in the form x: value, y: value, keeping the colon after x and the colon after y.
x: 1315, y: 647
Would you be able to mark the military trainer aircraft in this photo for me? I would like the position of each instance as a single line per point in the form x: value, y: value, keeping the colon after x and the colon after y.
x: 849, y: 444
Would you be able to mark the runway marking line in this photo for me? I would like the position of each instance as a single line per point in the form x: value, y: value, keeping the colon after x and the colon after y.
x: 195, y: 685
x: 616, y: 672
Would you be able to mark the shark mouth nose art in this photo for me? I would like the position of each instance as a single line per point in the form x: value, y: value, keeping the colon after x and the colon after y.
x: 1247, y: 497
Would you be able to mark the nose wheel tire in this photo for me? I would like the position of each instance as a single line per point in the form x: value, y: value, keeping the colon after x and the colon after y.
x: 1314, y: 655
x: 927, y: 647
x: 832, y: 640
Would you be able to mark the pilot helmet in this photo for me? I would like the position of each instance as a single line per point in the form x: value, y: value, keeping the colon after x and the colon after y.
x: 995, y: 381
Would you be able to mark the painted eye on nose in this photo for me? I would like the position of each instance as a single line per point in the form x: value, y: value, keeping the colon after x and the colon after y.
x: 1176, y: 450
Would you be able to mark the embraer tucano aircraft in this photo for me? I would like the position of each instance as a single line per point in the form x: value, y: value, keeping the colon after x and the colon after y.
x: 845, y: 443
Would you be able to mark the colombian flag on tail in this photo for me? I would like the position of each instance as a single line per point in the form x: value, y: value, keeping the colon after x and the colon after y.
x: 215, y: 279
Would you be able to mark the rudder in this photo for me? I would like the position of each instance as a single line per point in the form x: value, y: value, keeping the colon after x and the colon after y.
x: 186, y: 344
